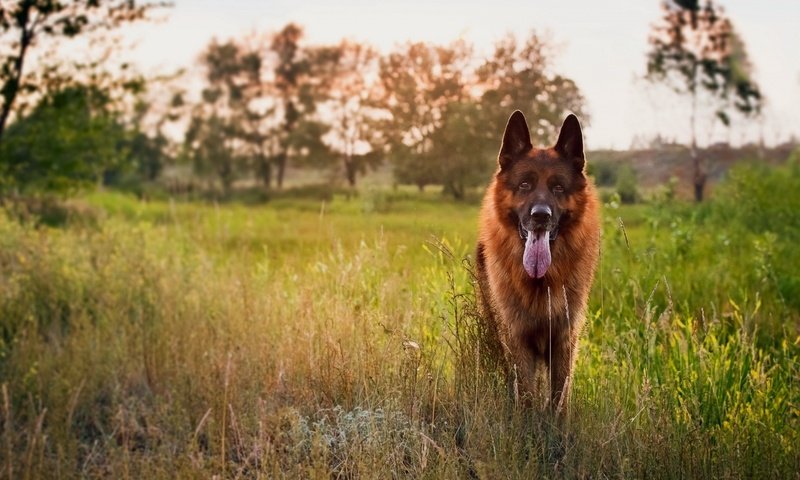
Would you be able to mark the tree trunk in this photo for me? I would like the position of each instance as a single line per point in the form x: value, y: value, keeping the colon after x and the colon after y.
x: 350, y: 172
x: 291, y: 117
x: 699, y: 180
x: 265, y: 171
x: 226, y: 174
x: 11, y: 88
x: 227, y: 186
x: 281, y: 160
x: 699, y: 175
x: 458, y: 191
x: 699, y: 186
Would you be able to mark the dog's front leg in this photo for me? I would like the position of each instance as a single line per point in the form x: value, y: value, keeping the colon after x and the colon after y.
x: 560, y: 363
x: 522, y: 363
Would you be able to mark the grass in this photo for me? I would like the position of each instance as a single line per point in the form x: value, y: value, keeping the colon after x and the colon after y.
x: 307, y: 339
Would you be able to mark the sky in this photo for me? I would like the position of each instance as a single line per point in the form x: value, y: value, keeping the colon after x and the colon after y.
x: 601, y: 46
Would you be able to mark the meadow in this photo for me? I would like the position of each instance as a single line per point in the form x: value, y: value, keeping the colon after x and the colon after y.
x: 338, y: 338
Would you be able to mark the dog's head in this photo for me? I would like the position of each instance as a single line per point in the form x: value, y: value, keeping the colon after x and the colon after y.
x: 542, y: 187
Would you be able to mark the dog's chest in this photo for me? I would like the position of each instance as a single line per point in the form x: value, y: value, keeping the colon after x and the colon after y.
x: 533, y: 305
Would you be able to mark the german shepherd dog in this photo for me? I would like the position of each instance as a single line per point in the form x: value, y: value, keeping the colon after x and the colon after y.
x: 537, y: 253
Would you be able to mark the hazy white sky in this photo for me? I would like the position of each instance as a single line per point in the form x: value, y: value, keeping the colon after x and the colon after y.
x: 603, y: 48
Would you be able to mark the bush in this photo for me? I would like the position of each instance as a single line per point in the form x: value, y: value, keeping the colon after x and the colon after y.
x: 51, y: 211
x: 627, y: 187
x: 761, y: 199
x: 764, y: 203
x: 604, y: 173
x: 316, y: 191
x: 794, y: 158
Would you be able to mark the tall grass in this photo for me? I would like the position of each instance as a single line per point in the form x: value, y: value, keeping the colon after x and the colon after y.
x: 337, y: 339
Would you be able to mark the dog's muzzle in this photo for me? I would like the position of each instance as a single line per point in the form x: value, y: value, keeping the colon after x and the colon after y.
x: 523, y: 234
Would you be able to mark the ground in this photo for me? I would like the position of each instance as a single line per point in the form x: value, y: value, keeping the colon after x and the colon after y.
x: 305, y: 338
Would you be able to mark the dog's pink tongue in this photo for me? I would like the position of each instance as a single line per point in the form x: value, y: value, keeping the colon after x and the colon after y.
x: 536, y: 258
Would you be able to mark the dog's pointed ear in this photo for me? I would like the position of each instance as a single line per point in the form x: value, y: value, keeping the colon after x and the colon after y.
x: 516, y: 140
x: 570, y: 141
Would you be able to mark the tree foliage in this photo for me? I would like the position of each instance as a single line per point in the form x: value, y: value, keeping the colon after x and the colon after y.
x: 447, y: 115
x: 78, y: 135
x: 26, y: 22
x: 518, y: 75
x: 69, y: 139
x: 460, y: 152
x: 223, y: 133
x: 434, y: 111
x: 352, y: 115
x: 257, y: 108
x: 296, y: 86
x: 418, y: 82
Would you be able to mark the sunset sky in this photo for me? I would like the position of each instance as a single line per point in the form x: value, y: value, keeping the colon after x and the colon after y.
x: 602, y: 47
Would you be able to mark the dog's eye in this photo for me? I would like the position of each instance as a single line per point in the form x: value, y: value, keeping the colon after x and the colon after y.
x: 525, y: 186
x: 558, y: 189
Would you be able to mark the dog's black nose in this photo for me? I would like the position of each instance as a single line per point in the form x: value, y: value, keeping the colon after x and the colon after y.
x: 541, y: 214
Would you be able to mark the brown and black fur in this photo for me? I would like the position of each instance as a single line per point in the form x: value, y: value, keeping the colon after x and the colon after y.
x: 538, y: 320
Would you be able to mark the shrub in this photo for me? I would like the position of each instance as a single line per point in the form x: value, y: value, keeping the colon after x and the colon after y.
x: 627, y: 185
x: 604, y: 173
x: 764, y: 203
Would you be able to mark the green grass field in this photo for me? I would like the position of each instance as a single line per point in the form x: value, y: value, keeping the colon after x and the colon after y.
x: 309, y: 339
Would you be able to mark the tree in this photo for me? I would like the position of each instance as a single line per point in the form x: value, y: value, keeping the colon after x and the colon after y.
x: 695, y: 50
x: 148, y: 153
x: 147, y: 148
x: 446, y: 116
x: 256, y: 115
x: 69, y: 139
x: 518, y: 76
x: 296, y: 88
x: 79, y: 131
x: 218, y: 139
x: 209, y: 142
x: 353, y: 136
x: 417, y: 83
x: 28, y: 21
x: 459, y: 148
